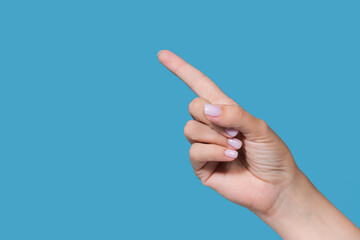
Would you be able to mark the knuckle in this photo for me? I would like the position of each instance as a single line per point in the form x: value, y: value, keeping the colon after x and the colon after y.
x: 195, y: 81
x: 263, y: 126
x: 194, y: 105
x: 189, y: 128
x: 234, y: 116
x: 239, y: 112
x: 193, y: 151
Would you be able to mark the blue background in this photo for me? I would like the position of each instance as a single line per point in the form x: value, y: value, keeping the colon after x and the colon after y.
x: 91, y: 132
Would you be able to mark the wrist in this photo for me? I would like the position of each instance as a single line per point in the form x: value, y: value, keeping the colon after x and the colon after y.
x: 292, y: 198
x: 302, y: 212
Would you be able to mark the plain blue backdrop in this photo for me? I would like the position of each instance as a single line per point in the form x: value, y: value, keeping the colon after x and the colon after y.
x: 91, y: 124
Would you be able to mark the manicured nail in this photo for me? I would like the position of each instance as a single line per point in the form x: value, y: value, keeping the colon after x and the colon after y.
x: 232, y: 132
x: 231, y: 153
x: 159, y: 52
x: 212, y: 110
x: 234, y: 142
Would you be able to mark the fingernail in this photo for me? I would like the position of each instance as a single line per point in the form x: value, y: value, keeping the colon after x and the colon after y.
x: 232, y: 132
x: 234, y: 142
x: 231, y: 153
x: 159, y: 52
x: 212, y: 110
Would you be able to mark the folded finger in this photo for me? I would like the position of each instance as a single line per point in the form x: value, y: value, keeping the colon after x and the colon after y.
x: 196, y: 110
x: 200, y: 152
x: 196, y: 131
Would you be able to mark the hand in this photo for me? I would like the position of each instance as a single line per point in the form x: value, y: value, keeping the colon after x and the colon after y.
x: 241, y: 157
x: 264, y: 166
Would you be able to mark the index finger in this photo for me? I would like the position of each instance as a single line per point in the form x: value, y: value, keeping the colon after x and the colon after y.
x: 195, y: 79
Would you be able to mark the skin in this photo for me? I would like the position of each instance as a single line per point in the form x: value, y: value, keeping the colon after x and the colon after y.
x: 264, y: 176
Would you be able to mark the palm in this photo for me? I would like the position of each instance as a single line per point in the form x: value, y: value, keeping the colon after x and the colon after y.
x: 255, y: 178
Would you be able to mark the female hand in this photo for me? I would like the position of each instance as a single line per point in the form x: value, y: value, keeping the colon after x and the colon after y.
x: 253, y: 177
x: 241, y: 157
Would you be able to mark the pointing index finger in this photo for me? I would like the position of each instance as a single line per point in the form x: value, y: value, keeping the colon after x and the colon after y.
x: 195, y: 79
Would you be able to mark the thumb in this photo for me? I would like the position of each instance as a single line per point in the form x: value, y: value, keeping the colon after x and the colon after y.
x: 235, y: 117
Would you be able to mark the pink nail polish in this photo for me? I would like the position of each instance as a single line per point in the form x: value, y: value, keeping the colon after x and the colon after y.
x: 212, y: 110
x: 231, y: 153
x: 234, y: 142
x: 232, y: 132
